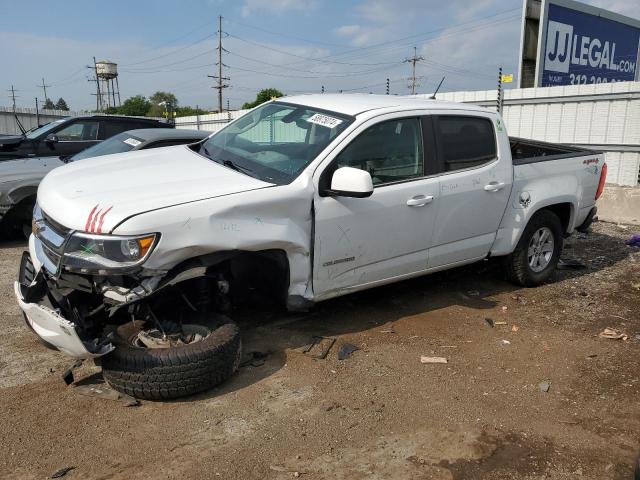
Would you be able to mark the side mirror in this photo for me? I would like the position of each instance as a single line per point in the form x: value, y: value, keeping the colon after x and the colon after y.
x: 52, y: 138
x: 351, y: 182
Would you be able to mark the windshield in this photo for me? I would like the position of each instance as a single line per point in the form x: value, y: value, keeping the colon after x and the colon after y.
x: 275, y: 141
x: 32, y: 134
x: 120, y: 143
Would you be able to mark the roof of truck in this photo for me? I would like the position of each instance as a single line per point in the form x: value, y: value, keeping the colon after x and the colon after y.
x: 356, y: 103
x: 152, y: 134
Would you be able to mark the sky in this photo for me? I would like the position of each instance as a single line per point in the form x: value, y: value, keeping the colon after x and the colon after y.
x: 295, y: 46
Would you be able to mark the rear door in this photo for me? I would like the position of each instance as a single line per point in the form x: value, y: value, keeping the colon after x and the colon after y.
x: 475, y: 184
x: 373, y: 240
x: 73, y: 137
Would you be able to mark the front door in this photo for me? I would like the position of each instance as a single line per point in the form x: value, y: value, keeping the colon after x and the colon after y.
x: 72, y: 138
x: 364, y: 241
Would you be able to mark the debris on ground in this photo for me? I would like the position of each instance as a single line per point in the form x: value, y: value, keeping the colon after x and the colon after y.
x: 62, y: 472
x: 634, y: 241
x: 506, y: 342
x: 473, y: 293
x: 319, y: 347
x: 424, y: 359
x: 254, y: 359
x: 570, y: 264
x: 67, y: 376
x: 504, y: 308
x: 346, y: 349
x: 514, y: 328
x: 544, y: 386
x: 103, y: 391
x: 500, y: 323
x: 613, y: 334
x: 489, y: 321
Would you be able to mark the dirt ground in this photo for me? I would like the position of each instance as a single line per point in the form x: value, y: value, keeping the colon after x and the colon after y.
x: 380, y: 413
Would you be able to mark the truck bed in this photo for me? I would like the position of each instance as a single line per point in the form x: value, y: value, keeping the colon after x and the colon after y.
x: 525, y: 151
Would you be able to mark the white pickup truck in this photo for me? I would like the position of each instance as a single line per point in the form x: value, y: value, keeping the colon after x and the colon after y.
x: 135, y: 256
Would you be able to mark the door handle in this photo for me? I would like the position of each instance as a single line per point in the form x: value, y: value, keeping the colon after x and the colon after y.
x: 419, y: 200
x: 494, y: 186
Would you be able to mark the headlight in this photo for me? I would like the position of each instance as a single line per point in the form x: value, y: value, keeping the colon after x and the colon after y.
x: 89, y: 253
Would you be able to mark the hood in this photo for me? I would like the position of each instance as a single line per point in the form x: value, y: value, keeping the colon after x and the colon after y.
x: 10, y: 142
x: 97, y: 194
x: 26, y: 168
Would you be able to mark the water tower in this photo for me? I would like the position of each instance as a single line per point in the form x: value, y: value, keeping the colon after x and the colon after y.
x: 107, y: 84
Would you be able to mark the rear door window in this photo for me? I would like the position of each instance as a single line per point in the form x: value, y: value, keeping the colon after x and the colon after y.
x: 80, y: 131
x: 464, y: 141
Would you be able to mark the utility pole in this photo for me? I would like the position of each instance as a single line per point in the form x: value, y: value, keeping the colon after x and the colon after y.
x: 499, y: 97
x: 219, y: 77
x: 95, y: 79
x: 44, y: 89
x: 13, y: 97
x: 413, y: 60
x: 37, y: 113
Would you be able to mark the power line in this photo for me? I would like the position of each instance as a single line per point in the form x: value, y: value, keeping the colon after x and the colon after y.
x: 200, y: 40
x: 320, y: 59
x: 145, y: 69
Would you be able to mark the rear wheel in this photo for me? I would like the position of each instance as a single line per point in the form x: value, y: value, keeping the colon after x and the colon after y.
x: 536, y: 256
x: 174, y: 361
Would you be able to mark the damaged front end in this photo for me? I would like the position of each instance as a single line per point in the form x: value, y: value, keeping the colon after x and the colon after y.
x: 75, y: 289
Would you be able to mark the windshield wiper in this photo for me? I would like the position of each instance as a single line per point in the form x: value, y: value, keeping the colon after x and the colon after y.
x: 238, y: 168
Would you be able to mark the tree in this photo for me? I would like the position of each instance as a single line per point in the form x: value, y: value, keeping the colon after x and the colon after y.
x: 264, y: 95
x: 189, y: 111
x: 159, y: 102
x: 137, y: 106
x: 61, y: 104
x: 49, y: 105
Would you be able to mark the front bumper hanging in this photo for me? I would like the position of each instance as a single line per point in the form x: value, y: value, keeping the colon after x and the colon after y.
x: 49, y: 325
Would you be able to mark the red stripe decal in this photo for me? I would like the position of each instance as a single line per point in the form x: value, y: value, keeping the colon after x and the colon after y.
x: 86, y: 227
x: 102, y: 219
x: 92, y: 228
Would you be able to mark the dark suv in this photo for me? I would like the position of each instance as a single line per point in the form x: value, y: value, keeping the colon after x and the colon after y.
x: 68, y: 136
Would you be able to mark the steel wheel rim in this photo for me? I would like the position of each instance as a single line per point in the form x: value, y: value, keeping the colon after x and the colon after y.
x: 540, y: 249
x: 188, y: 335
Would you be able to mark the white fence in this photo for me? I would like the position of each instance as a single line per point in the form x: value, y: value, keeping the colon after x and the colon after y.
x: 29, y: 118
x: 603, y: 117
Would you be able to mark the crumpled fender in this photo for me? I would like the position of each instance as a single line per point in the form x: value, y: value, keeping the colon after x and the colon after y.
x: 278, y: 217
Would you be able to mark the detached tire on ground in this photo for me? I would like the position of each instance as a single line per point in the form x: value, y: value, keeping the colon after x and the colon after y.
x: 536, y: 256
x: 176, y: 371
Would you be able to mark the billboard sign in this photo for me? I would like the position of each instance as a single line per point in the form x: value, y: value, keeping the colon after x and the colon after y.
x: 576, y: 44
x: 581, y: 48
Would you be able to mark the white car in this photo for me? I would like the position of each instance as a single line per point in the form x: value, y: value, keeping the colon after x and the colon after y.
x: 134, y: 256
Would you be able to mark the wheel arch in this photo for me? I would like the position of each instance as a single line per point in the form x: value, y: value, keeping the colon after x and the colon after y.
x: 509, y: 234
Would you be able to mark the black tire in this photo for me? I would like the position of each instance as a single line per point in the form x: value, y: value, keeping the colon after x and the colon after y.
x: 166, y: 373
x: 517, y: 265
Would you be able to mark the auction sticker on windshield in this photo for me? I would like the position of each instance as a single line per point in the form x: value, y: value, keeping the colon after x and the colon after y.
x: 324, y: 120
x: 132, y: 141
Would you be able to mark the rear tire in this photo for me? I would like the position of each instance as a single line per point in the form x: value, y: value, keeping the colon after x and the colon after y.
x: 173, y: 372
x: 534, y: 260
